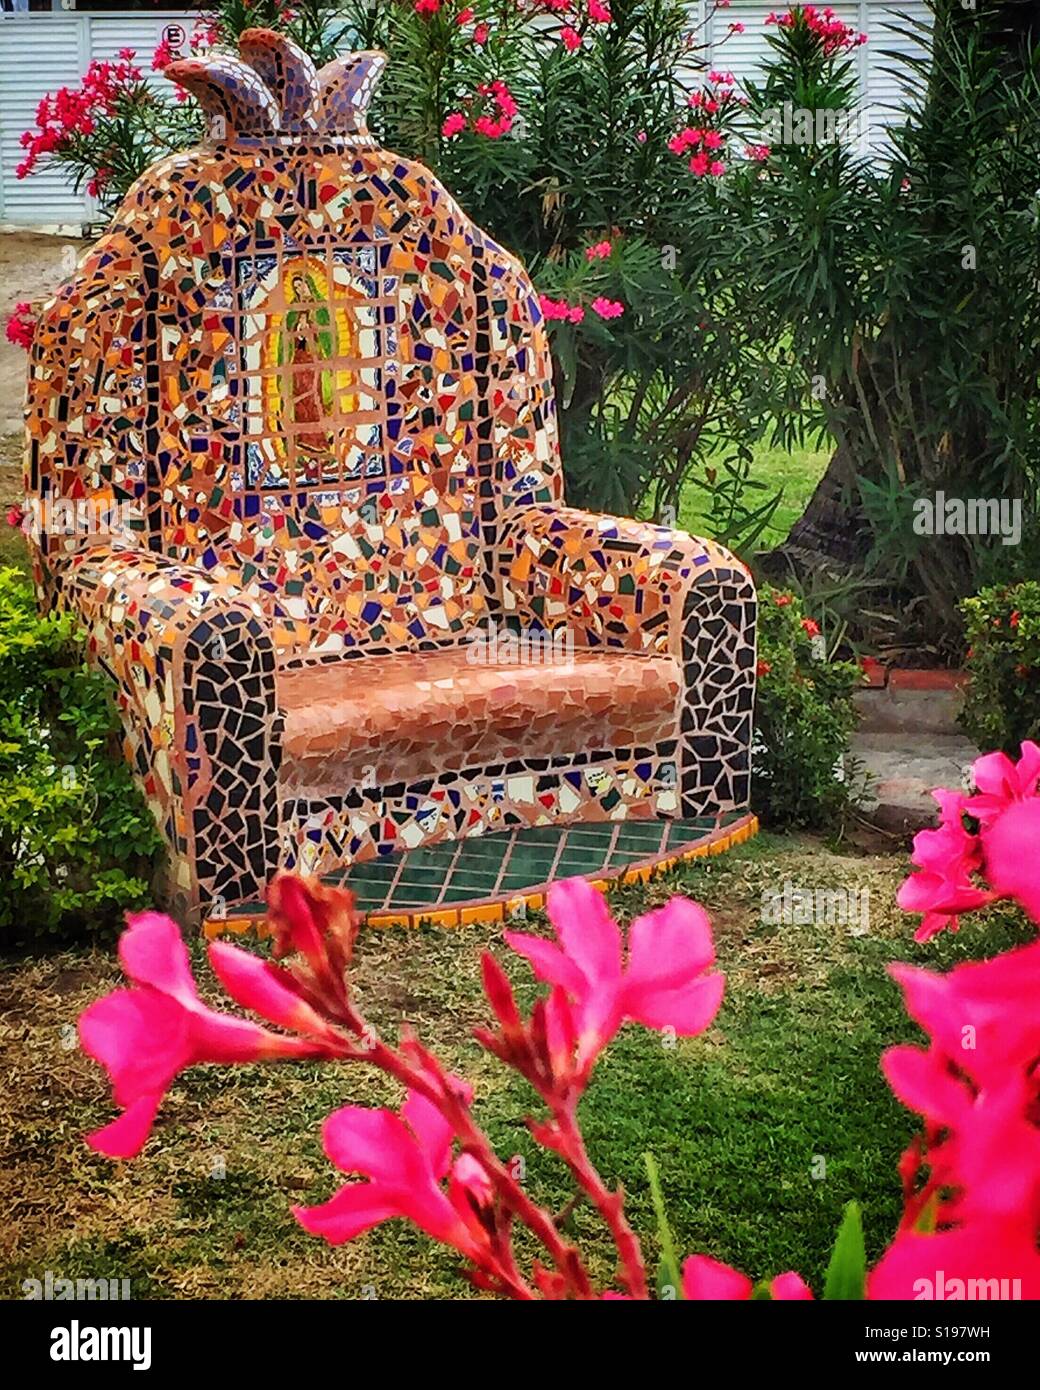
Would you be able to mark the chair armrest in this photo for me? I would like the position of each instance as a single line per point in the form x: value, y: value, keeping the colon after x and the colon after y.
x: 616, y: 581
x: 194, y: 666
x: 124, y: 596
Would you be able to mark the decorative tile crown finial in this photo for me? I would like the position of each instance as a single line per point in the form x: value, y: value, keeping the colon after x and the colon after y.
x: 273, y: 89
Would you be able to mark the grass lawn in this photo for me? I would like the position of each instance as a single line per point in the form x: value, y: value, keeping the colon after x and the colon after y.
x: 739, y: 1119
x: 793, y: 474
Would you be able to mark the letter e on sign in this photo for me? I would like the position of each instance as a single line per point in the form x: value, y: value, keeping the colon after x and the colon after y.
x: 173, y: 34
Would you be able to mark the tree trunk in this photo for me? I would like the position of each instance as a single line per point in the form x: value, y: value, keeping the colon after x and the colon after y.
x: 832, y: 534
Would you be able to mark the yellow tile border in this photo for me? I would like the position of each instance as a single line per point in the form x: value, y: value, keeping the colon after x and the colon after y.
x: 503, y: 909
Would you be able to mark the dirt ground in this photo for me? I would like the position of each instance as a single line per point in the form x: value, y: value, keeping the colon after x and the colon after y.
x: 31, y: 268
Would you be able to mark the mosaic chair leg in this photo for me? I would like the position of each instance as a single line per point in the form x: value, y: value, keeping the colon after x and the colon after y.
x: 231, y: 742
x: 193, y: 666
x: 718, y: 657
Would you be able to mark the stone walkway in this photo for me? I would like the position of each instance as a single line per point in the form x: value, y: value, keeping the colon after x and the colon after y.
x: 909, y: 742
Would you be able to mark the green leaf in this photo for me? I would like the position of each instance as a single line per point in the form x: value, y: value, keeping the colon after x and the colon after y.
x: 847, y: 1271
x: 669, y: 1276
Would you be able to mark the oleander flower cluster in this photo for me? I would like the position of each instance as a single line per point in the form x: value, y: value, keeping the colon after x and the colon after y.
x: 985, y: 847
x: 971, y: 1178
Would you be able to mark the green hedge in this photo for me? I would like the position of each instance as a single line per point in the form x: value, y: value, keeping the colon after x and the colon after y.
x: 803, y: 719
x: 1003, y: 701
x: 77, y: 843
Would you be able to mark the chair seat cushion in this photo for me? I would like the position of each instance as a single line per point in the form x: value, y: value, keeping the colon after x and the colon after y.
x: 388, y: 719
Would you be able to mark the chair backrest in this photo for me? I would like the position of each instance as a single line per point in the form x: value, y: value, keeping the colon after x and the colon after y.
x: 297, y: 363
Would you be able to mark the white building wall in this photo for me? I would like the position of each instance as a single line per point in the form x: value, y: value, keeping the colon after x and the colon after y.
x: 40, y: 52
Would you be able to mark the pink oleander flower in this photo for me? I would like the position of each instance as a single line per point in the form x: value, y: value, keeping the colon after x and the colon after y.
x: 1006, y: 805
x: 977, y: 1213
x: 427, y: 6
x: 607, y: 308
x: 760, y: 153
x: 996, y: 1261
x: 499, y: 94
x: 559, y: 311
x: 144, y: 1036
x: 810, y: 627
x: 481, y: 34
x: 404, y: 1159
x: 982, y: 1017
x: 600, y: 251
x: 453, y: 124
x: 570, y: 38
x: 713, y: 140
x: 704, y: 1278
x: 699, y: 164
x: 976, y: 1085
x: 686, y: 139
x: 97, y: 183
x: 665, y: 981
x: 492, y: 128
x: 737, y: 28
x: 1009, y: 848
x: 834, y: 36
x: 464, y: 16
x: 598, y: 12
x: 504, y: 99
x: 1007, y: 808
x: 947, y: 857
x: 205, y: 36
x: 1001, y: 783
x: 21, y: 326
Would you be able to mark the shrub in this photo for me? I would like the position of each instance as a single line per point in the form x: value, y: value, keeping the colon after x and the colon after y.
x: 77, y: 843
x: 803, y: 718
x: 909, y: 272
x: 109, y: 129
x: 592, y: 145
x: 1003, y: 701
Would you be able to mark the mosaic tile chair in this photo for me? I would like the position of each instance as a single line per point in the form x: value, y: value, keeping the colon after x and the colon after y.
x: 303, y: 409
